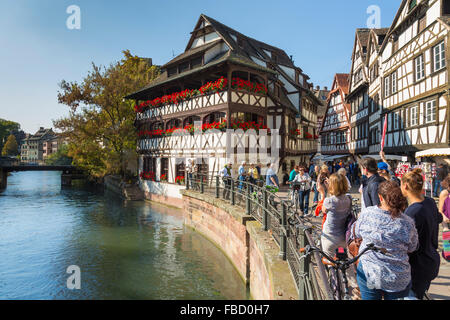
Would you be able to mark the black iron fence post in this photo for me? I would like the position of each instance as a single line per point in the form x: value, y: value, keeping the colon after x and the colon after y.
x: 202, y: 185
x: 304, y: 267
x: 265, y: 210
x: 283, y: 231
x: 233, y: 200
x: 217, y: 187
x: 249, y: 203
x: 187, y: 181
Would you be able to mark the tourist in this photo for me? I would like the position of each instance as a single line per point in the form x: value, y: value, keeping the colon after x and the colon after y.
x: 443, y: 208
x: 337, y: 208
x: 355, y: 175
x: 242, y: 175
x: 305, y: 189
x: 322, y: 182
x: 271, y: 177
x: 369, y: 168
x: 253, y: 176
x: 314, y: 177
x: 343, y: 172
x: 385, y: 170
x: 311, y: 169
x: 386, y: 226
x: 294, y: 173
x: 227, y: 180
x: 441, y: 174
x: 426, y: 260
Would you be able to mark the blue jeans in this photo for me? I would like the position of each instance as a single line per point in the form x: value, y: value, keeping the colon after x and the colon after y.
x: 303, y: 197
x: 376, y: 294
x: 316, y: 194
x: 437, y: 188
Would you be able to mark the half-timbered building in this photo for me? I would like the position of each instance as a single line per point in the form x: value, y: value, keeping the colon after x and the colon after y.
x: 335, y: 128
x: 253, y: 85
x: 415, y: 90
x: 373, y: 64
x: 358, y: 97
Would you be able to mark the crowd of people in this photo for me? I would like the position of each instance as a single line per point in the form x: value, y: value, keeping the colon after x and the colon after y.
x: 395, y: 215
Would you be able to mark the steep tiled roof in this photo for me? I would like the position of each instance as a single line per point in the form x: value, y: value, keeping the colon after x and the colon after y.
x: 192, y: 52
x: 241, y: 53
x: 363, y: 37
x: 343, y: 81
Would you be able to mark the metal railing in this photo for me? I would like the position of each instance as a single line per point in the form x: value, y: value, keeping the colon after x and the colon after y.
x: 289, y: 229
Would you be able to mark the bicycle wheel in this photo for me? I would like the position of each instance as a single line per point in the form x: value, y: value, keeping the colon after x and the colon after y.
x: 335, y: 283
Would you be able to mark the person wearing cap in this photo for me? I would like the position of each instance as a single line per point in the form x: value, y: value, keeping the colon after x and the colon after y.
x: 384, y: 170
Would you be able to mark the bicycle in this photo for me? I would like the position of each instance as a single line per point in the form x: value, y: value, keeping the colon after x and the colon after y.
x: 293, y: 196
x: 337, y: 267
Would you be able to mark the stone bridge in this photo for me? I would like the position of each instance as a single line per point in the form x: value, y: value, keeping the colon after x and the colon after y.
x: 7, y: 165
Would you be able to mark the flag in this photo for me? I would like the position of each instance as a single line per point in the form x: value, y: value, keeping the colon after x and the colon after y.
x: 383, y: 137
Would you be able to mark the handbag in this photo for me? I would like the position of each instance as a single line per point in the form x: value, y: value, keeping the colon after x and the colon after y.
x: 355, y: 243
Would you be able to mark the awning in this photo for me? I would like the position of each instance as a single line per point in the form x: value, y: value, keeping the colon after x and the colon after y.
x: 387, y: 156
x: 442, y: 152
x: 329, y: 158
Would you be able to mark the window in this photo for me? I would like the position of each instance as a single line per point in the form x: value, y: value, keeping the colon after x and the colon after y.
x: 172, y: 71
x: 183, y: 67
x: 414, y: 116
x: 439, y: 56
x: 396, y: 121
x: 430, y: 111
x: 165, y: 167
x: 412, y: 4
x: 394, y: 82
x: 422, y: 24
x: 386, y: 87
x: 419, y: 68
x: 445, y: 7
x: 196, y: 62
x: 395, y: 46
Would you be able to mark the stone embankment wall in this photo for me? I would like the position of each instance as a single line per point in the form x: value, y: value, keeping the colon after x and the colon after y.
x: 252, y: 250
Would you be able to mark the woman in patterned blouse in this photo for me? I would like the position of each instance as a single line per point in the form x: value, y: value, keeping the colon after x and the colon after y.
x: 386, y: 276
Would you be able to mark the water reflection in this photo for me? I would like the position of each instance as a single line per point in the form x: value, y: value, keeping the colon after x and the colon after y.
x: 126, y: 250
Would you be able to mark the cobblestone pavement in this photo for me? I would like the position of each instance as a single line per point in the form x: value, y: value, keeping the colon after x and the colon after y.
x: 440, y: 287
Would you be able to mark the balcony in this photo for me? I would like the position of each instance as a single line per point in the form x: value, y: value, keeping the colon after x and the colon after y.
x: 205, y: 101
x: 207, y: 143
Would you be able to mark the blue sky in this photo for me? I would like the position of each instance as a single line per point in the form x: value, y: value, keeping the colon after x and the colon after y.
x: 37, y: 50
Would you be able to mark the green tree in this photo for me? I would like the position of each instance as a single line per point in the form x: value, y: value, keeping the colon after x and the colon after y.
x: 6, y: 127
x: 60, y: 157
x: 100, y: 126
x: 11, y: 148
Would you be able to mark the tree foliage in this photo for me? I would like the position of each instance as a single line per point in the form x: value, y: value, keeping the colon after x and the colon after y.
x: 60, y: 157
x: 6, y: 127
x: 11, y: 148
x: 100, y: 126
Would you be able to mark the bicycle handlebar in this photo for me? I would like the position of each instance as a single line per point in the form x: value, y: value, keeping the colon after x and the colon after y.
x: 370, y: 247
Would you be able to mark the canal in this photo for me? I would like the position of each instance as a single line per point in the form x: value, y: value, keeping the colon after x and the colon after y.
x: 125, y: 250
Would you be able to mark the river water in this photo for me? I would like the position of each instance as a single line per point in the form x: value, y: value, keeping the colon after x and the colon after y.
x: 125, y: 250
